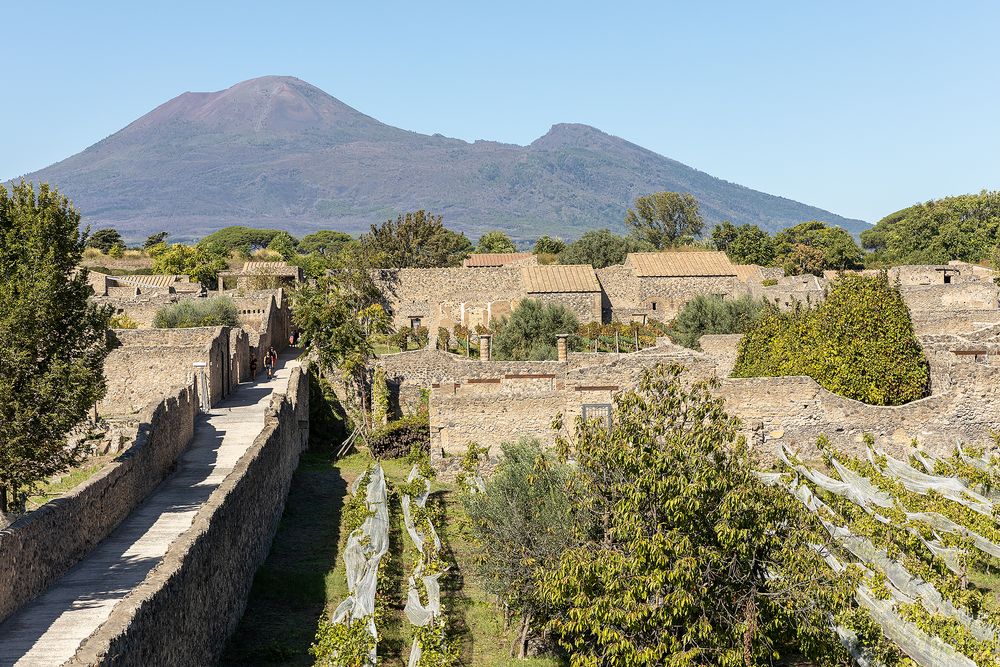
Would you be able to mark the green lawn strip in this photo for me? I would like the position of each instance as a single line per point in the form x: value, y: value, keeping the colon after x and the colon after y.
x: 299, y: 580
x: 57, y: 487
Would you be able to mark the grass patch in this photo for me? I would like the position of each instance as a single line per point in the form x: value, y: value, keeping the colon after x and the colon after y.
x: 304, y: 576
x: 58, y: 486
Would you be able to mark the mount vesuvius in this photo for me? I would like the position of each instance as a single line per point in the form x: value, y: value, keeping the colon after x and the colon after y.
x: 278, y: 152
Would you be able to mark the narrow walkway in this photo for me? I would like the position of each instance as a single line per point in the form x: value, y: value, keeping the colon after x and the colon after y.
x: 49, y: 629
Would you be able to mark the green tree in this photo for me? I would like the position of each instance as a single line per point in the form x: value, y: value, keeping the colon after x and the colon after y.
x: 339, y: 317
x: 201, y: 263
x: 155, y: 239
x: 665, y: 219
x: 495, y: 242
x: 746, y: 244
x: 325, y: 242
x: 414, y: 240
x: 239, y: 238
x: 601, y: 248
x: 546, y: 245
x: 798, y: 247
x: 522, y: 523
x: 711, y: 314
x: 687, y: 557
x: 531, y: 329
x: 105, y: 239
x: 54, y: 340
x: 284, y: 244
x: 964, y: 228
x: 858, y: 343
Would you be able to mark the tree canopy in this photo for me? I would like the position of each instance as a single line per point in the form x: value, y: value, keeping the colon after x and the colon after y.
x: 712, y: 314
x: 201, y: 263
x: 547, y: 245
x: 530, y: 331
x: 238, y: 237
x: 495, y: 242
x: 54, y: 339
x: 155, y: 239
x: 745, y: 244
x: 601, y: 248
x: 858, y: 343
x: 685, y: 556
x: 665, y: 219
x: 105, y: 239
x: 284, y: 244
x: 966, y: 227
x: 414, y: 240
x: 324, y: 242
x: 812, y: 247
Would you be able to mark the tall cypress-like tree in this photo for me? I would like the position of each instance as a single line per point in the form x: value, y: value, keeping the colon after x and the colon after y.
x: 53, y: 340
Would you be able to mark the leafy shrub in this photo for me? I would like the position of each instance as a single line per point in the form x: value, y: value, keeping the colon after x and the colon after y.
x: 531, y: 329
x: 214, y: 312
x: 422, y: 336
x: 769, y: 282
x: 711, y: 314
x: 398, y: 438
x: 859, y: 343
x: 122, y: 321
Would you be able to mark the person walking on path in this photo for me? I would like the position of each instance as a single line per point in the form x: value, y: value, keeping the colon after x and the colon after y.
x: 268, y: 364
x: 253, y: 366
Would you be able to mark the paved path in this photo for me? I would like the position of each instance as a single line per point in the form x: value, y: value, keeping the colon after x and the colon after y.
x: 49, y: 629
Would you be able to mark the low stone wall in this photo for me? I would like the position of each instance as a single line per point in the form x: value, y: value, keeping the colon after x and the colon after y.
x: 953, y: 322
x: 722, y: 348
x: 57, y: 535
x: 960, y: 297
x: 796, y: 411
x: 187, y: 606
x: 146, y: 363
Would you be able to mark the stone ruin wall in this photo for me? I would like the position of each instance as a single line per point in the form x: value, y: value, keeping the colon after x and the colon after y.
x: 585, y: 305
x: 61, y: 532
x: 185, y: 609
x: 669, y: 294
x: 444, y: 297
x: 147, y: 363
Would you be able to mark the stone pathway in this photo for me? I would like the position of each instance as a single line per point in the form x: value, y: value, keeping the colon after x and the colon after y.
x: 49, y: 629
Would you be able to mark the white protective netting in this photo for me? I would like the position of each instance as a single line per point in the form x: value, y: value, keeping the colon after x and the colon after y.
x: 902, y: 585
x: 417, y: 612
x: 364, y: 551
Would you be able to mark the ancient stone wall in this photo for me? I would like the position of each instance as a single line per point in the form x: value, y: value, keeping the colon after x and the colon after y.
x: 187, y: 607
x: 958, y: 297
x: 57, y: 535
x: 955, y: 321
x: 585, y: 305
x: 146, y: 363
x: 722, y: 348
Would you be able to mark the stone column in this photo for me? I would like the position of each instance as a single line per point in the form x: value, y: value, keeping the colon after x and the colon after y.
x: 561, y: 346
x: 484, y: 347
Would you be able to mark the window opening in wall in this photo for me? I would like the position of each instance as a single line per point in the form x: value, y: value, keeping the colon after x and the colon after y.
x: 600, y: 411
x: 947, y: 279
x: 981, y: 359
x: 654, y: 305
x: 414, y: 323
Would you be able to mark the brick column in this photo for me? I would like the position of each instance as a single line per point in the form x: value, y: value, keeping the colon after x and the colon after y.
x: 561, y: 346
x: 484, y: 347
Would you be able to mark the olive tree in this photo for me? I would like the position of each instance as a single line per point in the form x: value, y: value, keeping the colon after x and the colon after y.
x: 54, y: 340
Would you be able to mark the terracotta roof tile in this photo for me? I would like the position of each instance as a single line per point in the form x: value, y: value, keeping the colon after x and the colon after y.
x: 559, y: 278
x: 673, y: 263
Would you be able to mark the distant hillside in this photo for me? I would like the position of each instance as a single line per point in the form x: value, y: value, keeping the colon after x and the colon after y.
x: 278, y: 152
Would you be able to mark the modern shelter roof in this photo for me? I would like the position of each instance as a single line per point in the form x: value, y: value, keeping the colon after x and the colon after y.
x: 560, y: 278
x: 673, y: 263
x: 485, y: 259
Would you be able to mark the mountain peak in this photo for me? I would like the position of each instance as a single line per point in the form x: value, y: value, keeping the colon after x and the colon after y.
x: 562, y: 135
x: 267, y: 104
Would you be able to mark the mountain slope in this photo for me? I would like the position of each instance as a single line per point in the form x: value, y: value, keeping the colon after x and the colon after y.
x: 278, y: 152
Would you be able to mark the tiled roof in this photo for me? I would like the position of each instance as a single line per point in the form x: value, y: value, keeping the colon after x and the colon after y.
x: 745, y: 272
x: 270, y: 269
x: 158, y: 280
x: 678, y: 264
x: 560, y: 278
x: 494, y: 258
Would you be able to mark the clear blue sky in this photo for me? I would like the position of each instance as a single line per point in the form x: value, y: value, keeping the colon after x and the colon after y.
x: 858, y: 107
